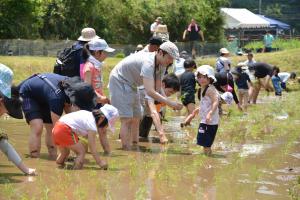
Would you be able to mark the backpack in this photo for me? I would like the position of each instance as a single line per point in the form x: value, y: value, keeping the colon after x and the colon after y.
x: 68, y: 61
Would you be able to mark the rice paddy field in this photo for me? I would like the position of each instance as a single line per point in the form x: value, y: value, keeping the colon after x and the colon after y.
x: 255, y: 155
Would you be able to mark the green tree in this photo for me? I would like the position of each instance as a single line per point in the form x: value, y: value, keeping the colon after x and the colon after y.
x: 19, y: 19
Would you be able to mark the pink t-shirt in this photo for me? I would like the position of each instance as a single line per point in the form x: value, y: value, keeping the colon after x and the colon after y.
x: 96, y: 75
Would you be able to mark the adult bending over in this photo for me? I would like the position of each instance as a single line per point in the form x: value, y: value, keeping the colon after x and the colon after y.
x: 133, y: 71
x: 45, y: 97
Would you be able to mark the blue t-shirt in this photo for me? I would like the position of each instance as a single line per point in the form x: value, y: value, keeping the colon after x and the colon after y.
x: 242, y: 80
x: 37, y: 89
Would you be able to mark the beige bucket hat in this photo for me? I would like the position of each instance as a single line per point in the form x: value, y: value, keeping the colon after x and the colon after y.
x: 87, y: 34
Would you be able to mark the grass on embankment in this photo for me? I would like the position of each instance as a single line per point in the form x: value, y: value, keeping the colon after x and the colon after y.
x: 25, y: 66
x: 288, y: 60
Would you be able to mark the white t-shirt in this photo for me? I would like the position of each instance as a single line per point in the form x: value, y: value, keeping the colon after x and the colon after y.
x: 80, y: 122
x: 146, y: 48
x: 178, y: 67
x: 132, y: 69
x: 153, y: 26
x: 205, y: 107
x: 223, y: 64
x: 284, y: 76
x: 247, y: 62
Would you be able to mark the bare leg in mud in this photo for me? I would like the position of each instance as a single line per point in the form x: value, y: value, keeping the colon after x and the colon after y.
x: 125, y: 133
x: 52, y: 150
x: 135, y: 130
x: 207, y: 151
x: 36, y: 126
x: 256, y: 90
x: 80, y: 152
x: 62, y: 156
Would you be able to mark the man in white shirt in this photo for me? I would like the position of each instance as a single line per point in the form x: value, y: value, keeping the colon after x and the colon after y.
x: 133, y: 71
x: 155, y: 24
x: 284, y: 77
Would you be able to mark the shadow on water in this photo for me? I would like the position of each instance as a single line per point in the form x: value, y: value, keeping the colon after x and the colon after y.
x: 6, y: 166
x: 43, y: 156
x: 6, y: 178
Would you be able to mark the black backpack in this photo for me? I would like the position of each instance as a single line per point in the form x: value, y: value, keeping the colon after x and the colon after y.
x: 68, y: 61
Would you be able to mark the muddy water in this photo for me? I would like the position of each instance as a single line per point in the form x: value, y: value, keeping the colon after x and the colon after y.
x: 251, y: 169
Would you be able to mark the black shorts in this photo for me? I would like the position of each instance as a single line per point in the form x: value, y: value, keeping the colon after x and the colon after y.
x: 33, y: 110
x: 188, y: 98
x: 206, y: 134
x: 268, y: 49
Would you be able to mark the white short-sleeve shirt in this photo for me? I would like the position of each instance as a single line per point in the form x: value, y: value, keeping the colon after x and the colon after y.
x: 81, y: 122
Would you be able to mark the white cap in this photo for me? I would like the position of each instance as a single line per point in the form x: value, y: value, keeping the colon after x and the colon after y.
x: 99, y: 45
x: 224, y: 51
x: 87, y: 34
x: 111, y: 113
x: 170, y: 48
x: 227, y: 97
x: 207, y: 71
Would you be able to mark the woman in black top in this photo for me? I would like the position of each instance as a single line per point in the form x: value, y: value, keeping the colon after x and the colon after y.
x: 263, y: 73
x: 225, y: 79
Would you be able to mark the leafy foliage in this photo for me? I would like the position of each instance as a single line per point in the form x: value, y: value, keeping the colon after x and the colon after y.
x: 118, y: 21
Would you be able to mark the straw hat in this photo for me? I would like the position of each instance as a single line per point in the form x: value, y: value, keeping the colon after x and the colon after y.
x: 161, y: 29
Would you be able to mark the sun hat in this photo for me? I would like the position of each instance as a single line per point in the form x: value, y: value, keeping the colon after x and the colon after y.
x: 139, y: 47
x: 13, y: 105
x: 111, y: 113
x: 161, y: 28
x: 224, y: 51
x: 227, y: 97
x: 99, y: 45
x: 87, y: 34
x: 154, y: 40
x: 6, y: 76
x: 207, y: 71
x: 158, y: 19
x: 81, y: 94
x: 170, y: 48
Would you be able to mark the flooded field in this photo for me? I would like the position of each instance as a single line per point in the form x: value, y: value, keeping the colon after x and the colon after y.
x: 255, y: 156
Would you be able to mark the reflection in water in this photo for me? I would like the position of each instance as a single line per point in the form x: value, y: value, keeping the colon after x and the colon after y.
x: 265, y: 190
x: 178, y: 170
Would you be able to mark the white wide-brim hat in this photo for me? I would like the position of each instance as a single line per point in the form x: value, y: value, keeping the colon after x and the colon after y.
x: 111, y: 113
x: 227, y: 97
x: 206, y: 70
x: 224, y: 51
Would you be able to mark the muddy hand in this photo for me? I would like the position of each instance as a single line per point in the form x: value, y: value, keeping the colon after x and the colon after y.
x: 31, y: 172
x: 163, y: 139
x: 177, y: 106
x: 103, y: 165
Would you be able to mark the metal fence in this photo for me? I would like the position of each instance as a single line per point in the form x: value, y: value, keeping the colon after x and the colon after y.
x: 21, y: 47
